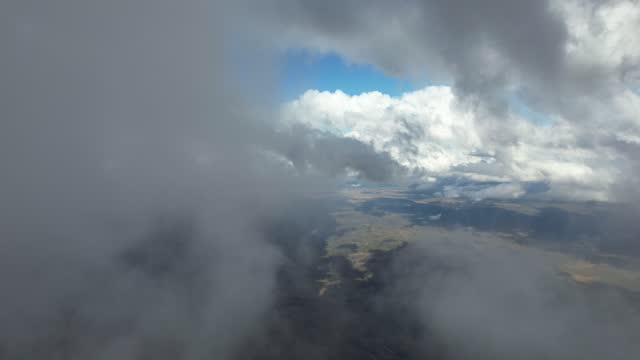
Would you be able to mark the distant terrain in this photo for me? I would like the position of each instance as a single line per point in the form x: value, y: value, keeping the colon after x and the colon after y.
x: 570, y: 233
x: 354, y: 297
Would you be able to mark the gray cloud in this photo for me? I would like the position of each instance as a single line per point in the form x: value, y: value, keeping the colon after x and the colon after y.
x: 484, y: 299
x: 137, y: 183
x: 485, y: 49
x: 482, y: 47
x: 139, y: 173
x: 429, y: 133
x: 570, y: 60
x: 312, y: 150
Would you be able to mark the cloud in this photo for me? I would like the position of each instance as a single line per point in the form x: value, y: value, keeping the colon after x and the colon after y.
x: 323, y: 152
x: 143, y: 179
x: 460, y: 287
x: 140, y: 178
x: 430, y: 132
x: 575, y: 62
x: 400, y: 125
x: 549, y: 52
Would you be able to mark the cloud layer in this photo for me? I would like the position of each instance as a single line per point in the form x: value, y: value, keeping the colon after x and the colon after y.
x: 430, y: 131
x: 139, y: 177
x: 457, y: 283
x: 575, y: 62
x: 140, y: 171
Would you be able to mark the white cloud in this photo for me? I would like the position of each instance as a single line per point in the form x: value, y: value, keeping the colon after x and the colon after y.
x: 603, y: 34
x: 576, y: 62
x: 430, y: 131
x: 396, y: 124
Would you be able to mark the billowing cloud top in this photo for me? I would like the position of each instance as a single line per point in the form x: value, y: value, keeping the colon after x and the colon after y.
x: 430, y: 131
x: 576, y: 64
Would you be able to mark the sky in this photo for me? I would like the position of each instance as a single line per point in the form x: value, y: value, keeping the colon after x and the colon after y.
x: 302, y: 70
x: 548, y: 100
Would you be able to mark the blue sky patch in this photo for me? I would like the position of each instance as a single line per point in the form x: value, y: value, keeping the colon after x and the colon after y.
x: 302, y: 70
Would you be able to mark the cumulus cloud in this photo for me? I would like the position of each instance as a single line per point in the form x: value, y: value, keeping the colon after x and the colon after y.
x: 430, y: 132
x: 575, y: 61
x: 540, y: 49
x: 401, y: 125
